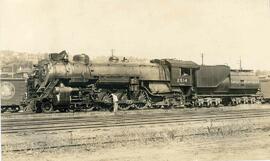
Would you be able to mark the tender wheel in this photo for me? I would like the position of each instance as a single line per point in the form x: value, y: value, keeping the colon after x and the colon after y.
x: 216, y: 105
x: 225, y: 103
x: 190, y: 105
x: 46, y: 107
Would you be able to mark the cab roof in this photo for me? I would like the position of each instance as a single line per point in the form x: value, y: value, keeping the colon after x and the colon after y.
x: 177, y: 63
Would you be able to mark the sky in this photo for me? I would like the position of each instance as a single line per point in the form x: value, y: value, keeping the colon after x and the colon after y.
x: 224, y: 30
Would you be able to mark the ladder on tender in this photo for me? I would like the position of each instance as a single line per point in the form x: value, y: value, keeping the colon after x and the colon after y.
x: 48, y: 89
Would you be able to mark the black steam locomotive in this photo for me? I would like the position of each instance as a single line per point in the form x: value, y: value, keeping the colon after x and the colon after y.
x: 59, y: 84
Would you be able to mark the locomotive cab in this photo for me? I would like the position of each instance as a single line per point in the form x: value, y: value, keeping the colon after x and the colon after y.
x: 182, y: 74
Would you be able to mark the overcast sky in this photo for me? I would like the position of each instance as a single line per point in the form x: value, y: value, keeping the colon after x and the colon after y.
x: 224, y: 30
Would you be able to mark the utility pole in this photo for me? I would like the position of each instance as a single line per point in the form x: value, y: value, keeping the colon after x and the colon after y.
x: 202, y: 58
x: 112, y: 50
x: 241, y: 64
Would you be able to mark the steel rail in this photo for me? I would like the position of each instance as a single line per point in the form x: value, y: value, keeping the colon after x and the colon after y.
x: 178, y: 113
x: 119, y: 123
x: 22, y: 123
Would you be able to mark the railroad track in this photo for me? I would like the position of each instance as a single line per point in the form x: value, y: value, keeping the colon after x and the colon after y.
x: 59, y: 118
x: 100, y: 113
x: 33, y: 125
x: 33, y: 114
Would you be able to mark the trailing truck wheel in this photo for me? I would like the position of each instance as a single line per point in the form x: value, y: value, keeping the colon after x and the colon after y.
x: 46, y: 107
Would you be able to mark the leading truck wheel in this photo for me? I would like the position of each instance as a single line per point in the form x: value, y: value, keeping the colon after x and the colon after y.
x: 46, y: 107
x: 15, y: 109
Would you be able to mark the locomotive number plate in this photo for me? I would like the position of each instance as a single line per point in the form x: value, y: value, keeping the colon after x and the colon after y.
x: 182, y: 80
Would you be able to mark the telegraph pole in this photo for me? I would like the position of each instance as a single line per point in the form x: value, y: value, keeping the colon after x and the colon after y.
x: 202, y: 58
x: 241, y: 64
x: 112, y: 50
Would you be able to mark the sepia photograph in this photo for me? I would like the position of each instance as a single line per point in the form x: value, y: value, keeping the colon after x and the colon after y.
x: 135, y: 80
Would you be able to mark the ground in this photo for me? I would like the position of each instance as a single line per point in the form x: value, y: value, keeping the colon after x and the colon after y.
x: 255, y: 146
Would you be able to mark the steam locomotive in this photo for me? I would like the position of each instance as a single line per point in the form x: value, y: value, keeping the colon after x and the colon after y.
x: 60, y: 84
